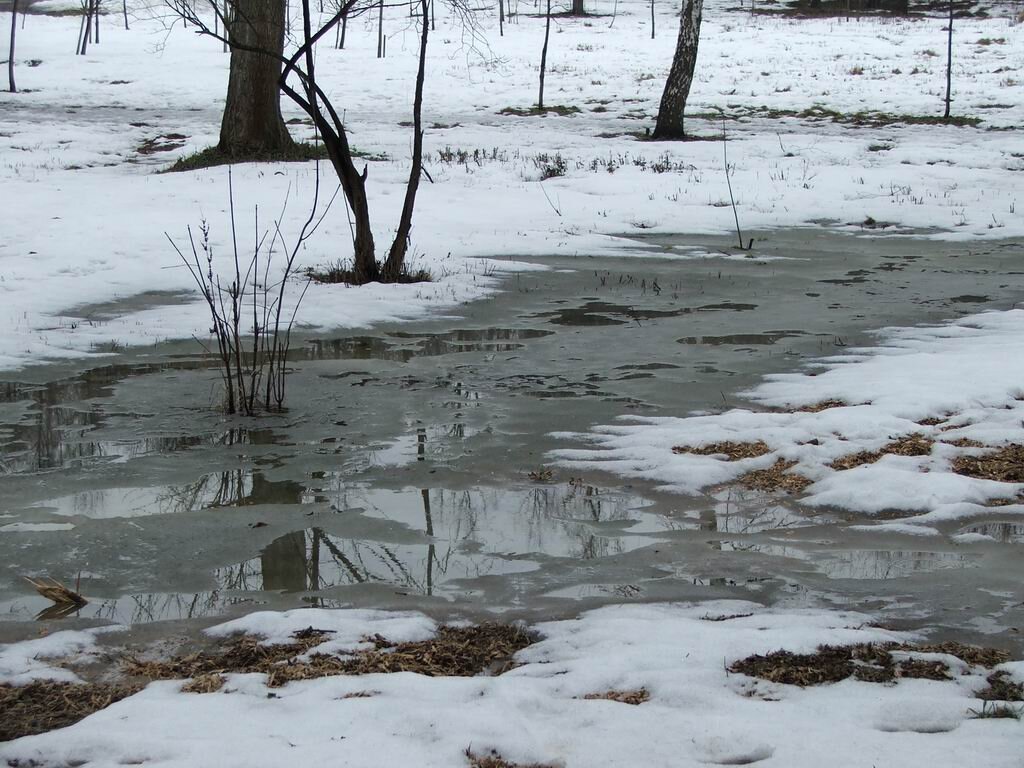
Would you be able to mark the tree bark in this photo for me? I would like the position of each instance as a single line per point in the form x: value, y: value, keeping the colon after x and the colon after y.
x: 680, y: 77
x: 10, y: 58
x: 577, y: 8
x: 252, y: 122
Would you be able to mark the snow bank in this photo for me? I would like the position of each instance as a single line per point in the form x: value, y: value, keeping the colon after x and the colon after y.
x: 698, y: 713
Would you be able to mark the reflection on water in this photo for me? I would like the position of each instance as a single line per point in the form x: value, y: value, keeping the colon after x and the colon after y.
x: 1007, y: 533
x: 402, y: 347
x: 741, y: 339
x: 229, y: 488
x: 858, y: 563
x: 598, y: 313
x: 739, y: 510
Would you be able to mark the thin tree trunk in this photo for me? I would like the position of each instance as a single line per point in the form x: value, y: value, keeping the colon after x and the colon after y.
x: 669, y: 124
x: 396, y: 256
x: 344, y: 29
x: 96, y: 19
x: 10, y: 55
x: 252, y: 122
x: 501, y: 18
x: 124, y: 10
x: 544, y: 56
x: 652, y: 19
x: 380, y: 29
x: 949, y: 63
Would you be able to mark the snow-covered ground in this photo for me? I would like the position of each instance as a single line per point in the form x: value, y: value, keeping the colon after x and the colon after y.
x: 85, y: 214
x: 697, y: 713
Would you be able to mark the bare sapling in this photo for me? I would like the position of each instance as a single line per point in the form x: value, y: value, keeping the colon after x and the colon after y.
x: 544, y: 56
x: 949, y: 63
x: 732, y: 200
x: 10, y: 55
x: 250, y: 321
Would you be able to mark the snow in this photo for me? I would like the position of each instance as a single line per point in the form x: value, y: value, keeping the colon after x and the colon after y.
x: 913, y: 374
x: 698, y: 713
x: 85, y: 214
x: 21, y: 663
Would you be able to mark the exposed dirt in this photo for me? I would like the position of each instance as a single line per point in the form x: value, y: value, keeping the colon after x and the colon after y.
x: 775, y: 478
x: 732, y: 451
x: 909, y: 445
x: 1005, y: 465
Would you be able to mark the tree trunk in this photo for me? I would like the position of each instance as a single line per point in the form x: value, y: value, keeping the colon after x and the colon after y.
x: 680, y: 77
x: 10, y: 57
x: 252, y: 122
x: 396, y: 256
x: 949, y: 62
x: 577, y: 8
x: 544, y: 57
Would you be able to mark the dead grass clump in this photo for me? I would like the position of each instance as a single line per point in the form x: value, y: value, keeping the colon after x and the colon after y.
x: 775, y: 478
x: 824, y: 405
x: 207, y: 683
x: 243, y: 654
x: 910, y: 445
x: 874, y: 663
x: 453, y: 652
x: 971, y: 654
x: 1002, y: 688
x: 1005, y: 465
x: 931, y: 421
x: 635, y: 698
x: 731, y: 450
x: 494, y: 760
x: 46, y: 705
x: 923, y: 669
x: 964, y: 442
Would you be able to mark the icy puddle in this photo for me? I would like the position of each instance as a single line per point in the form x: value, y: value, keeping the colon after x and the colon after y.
x: 409, y: 470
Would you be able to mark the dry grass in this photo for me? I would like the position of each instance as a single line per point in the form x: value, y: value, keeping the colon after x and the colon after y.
x: 874, y: 663
x: 910, y: 445
x: 635, y: 698
x: 1002, y: 688
x: 1005, y: 465
x: 493, y: 760
x: 454, y: 651
x: 56, y: 592
x: 46, y: 705
x: 775, y: 478
x: 824, y: 405
x: 732, y: 451
x: 964, y: 442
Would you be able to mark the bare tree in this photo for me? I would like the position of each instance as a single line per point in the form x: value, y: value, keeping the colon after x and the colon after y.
x: 669, y: 124
x: 310, y: 97
x: 949, y: 62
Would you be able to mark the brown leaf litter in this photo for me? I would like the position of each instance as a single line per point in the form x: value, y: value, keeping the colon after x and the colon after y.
x: 775, y: 478
x: 635, y: 698
x: 1005, y: 465
x: 733, y: 451
x: 824, y: 405
x: 909, y: 445
x: 45, y: 705
x: 867, y: 662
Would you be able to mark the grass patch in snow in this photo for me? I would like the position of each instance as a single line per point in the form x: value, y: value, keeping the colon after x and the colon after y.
x: 875, y: 663
x: 1002, y: 688
x: 555, y: 109
x: 1005, y: 465
x: 493, y: 759
x: 634, y: 698
x: 776, y: 478
x: 866, y: 118
x: 910, y: 445
x: 212, y: 156
x: 342, y: 272
x: 731, y: 450
x: 45, y: 705
x: 452, y: 652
